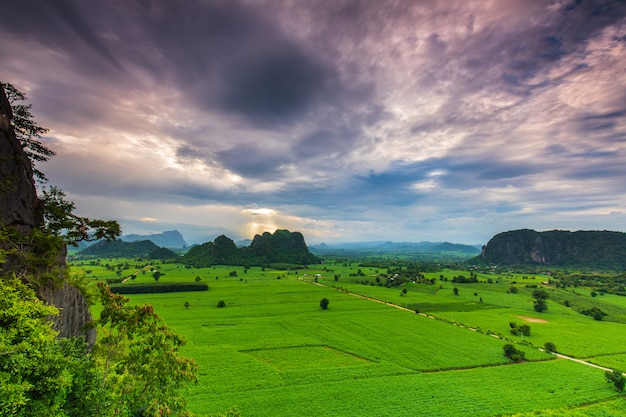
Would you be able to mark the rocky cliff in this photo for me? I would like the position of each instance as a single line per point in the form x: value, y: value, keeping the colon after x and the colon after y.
x: 595, y: 249
x: 20, y: 215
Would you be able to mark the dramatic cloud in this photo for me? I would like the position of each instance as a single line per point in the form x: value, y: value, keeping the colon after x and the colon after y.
x: 345, y: 119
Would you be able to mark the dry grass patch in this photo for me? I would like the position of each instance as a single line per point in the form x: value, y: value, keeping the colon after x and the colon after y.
x: 532, y: 319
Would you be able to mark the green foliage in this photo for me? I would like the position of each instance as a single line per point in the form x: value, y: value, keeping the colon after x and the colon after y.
x: 324, y: 303
x: 540, y: 305
x: 158, y: 287
x: 616, y: 378
x: 34, y: 256
x: 512, y: 353
x: 594, y: 312
x: 550, y: 347
x: 524, y: 329
x: 221, y: 304
x: 231, y: 412
x: 142, y: 369
x: 29, y: 386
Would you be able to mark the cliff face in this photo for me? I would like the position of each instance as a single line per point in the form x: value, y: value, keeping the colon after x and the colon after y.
x: 20, y: 212
x: 558, y: 248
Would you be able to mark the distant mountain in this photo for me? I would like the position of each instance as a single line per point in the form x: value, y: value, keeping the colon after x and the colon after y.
x: 594, y: 249
x: 171, y: 239
x: 282, y: 246
x: 382, y: 247
x: 119, y: 248
x: 245, y: 242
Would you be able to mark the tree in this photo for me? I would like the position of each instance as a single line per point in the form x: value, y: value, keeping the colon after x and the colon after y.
x: 187, y: 304
x: 28, y: 385
x: 221, y: 303
x: 455, y: 290
x: 156, y: 275
x: 324, y: 303
x: 512, y: 353
x: 550, y: 347
x: 524, y: 329
x: 58, y: 213
x: 139, y: 356
x: 540, y: 297
x: 540, y: 306
x: 616, y: 378
x: 27, y: 132
x: 513, y: 290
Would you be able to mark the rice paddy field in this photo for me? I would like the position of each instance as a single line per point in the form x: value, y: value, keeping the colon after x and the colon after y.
x: 272, y: 350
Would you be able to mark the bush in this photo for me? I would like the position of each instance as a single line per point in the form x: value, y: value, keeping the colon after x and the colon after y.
x: 550, y: 347
x: 324, y: 303
x: 617, y: 378
x: 524, y: 329
x: 512, y: 353
x: 221, y: 303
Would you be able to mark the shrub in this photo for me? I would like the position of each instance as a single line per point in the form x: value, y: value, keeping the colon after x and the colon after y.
x: 324, y: 303
x: 512, y: 353
x: 221, y: 303
x: 524, y: 329
x: 617, y: 378
x: 550, y: 347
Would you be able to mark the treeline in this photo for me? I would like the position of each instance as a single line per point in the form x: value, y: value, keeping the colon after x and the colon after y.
x: 158, y: 287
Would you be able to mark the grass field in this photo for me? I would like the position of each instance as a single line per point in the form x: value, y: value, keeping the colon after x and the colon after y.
x: 273, y: 352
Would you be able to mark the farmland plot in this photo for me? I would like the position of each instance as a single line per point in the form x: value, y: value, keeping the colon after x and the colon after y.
x: 273, y: 352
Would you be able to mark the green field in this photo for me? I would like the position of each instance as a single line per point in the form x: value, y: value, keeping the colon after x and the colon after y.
x: 273, y: 352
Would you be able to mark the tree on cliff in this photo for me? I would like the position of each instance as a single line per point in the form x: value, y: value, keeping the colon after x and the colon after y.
x: 135, y: 369
x: 26, y: 130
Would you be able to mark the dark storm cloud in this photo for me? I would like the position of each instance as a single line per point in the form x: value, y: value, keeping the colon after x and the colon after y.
x: 271, y: 87
x: 232, y: 58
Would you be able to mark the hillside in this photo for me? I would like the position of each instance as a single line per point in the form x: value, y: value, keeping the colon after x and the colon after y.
x: 282, y: 246
x: 592, y: 249
x: 119, y: 248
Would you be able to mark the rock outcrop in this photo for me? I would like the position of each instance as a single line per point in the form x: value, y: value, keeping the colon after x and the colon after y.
x: 20, y: 212
x: 594, y: 249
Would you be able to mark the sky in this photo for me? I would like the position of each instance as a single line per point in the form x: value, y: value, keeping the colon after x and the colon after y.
x: 345, y: 120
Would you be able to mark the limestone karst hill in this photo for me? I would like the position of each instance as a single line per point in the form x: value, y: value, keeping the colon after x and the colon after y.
x: 584, y: 248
